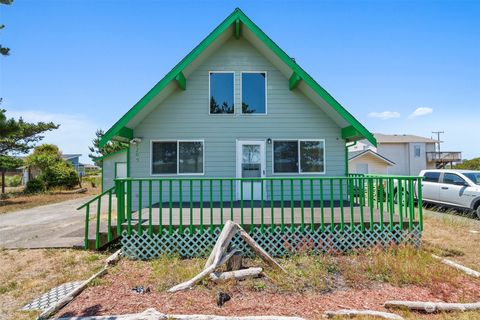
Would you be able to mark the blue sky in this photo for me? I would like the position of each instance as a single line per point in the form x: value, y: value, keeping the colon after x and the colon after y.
x: 83, y: 64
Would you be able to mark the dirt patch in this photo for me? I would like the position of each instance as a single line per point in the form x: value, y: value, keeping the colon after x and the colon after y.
x: 265, y: 296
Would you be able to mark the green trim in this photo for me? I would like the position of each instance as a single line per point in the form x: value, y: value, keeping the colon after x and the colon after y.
x: 238, y: 29
x: 111, y: 154
x: 181, y: 81
x: 128, y: 162
x: 350, y: 133
x: 237, y: 15
x: 103, y: 187
x: 294, y: 81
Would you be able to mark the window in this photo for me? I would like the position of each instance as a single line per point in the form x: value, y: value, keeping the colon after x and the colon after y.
x: 451, y: 178
x: 299, y: 156
x: 254, y: 93
x: 221, y: 92
x: 431, y: 176
x: 177, y: 157
x: 417, y: 150
x: 473, y: 176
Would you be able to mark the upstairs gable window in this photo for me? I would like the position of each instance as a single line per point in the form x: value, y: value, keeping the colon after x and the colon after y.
x: 221, y: 92
x: 254, y: 93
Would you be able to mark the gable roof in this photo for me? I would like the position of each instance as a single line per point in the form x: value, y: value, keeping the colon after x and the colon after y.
x: 240, y: 25
x: 401, y: 138
x: 357, y: 154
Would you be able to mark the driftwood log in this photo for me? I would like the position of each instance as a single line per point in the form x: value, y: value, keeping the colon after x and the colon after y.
x: 458, y: 266
x: 431, y: 307
x: 237, y: 275
x: 218, y: 256
x: 152, y: 314
x: 111, y: 260
x: 362, y: 313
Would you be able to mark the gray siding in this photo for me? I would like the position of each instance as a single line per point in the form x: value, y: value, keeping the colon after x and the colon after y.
x: 185, y: 115
x: 108, y: 169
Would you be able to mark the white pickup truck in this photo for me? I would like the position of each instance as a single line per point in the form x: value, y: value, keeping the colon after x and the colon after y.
x: 452, y: 188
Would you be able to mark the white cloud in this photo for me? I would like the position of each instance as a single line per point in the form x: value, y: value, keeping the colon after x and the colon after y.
x: 74, y: 135
x: 385, y: 115
x: 419, y: 112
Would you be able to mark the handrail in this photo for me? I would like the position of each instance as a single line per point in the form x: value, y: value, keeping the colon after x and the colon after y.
x: 96, y: 198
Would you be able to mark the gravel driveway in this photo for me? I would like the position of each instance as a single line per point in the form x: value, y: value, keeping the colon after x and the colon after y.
x: 57, y: 225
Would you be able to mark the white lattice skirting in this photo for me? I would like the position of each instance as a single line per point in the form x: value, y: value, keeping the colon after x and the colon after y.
x: 276, y: 242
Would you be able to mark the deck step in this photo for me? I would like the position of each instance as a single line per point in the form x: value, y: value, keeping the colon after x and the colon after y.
x: 103, y: 238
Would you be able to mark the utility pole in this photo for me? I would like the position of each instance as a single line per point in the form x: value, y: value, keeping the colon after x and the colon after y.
x: 438, y: 138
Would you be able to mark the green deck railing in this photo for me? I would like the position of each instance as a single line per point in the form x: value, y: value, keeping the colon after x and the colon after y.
x: 157, y: 205
x: 97, y: 218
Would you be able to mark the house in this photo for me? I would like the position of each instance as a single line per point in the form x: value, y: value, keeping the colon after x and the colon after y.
x: 74, y: 160
x: 410, y: 153
x: 368, y: 161
x: 237, y: 130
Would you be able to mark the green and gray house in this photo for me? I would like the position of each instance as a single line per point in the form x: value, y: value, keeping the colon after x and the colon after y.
x: 237, y: 130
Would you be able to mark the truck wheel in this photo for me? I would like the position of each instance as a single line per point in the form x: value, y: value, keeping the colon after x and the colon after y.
x: 478, y: 211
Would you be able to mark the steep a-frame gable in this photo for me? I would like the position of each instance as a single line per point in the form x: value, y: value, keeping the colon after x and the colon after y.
x: 238, y: 25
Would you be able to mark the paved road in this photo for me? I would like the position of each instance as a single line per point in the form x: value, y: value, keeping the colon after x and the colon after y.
x: 56, y: 225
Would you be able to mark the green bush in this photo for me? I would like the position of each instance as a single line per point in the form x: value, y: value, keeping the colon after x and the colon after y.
x: 13, y: 181
x: 35, y: 186
x: 60, y: 174
x: 95, y: 181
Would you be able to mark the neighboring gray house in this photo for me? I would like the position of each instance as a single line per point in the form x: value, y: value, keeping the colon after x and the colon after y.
x: 74, y: 159
x: 410, y: 153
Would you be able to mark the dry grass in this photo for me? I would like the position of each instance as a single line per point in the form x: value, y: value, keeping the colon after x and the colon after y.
x: 26, y: 274
x: 453, y: 236
x: 19, y: 200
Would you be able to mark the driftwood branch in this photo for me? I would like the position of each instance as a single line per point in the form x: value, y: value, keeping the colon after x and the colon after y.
x: 458, y: 266
x: 188, y: 284
x: 237, y: 275
x: 111, y: 260
x: 152, y: 314
x: 357, y: 313
x: 218, y: 257
x: 431, y: 307
x: 259, y: 250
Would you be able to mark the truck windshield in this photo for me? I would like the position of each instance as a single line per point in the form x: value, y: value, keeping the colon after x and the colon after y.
x: 474, y: 176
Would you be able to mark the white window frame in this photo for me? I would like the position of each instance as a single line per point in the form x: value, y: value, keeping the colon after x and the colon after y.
x: 298, y: 158
x: 210, y: 94
x: 415, y: 148
x: 241, y: 94
x: 178, y: 158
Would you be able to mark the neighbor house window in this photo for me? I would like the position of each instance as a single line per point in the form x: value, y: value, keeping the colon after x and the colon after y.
x: 254, y: 93
x: 177, y: 157
x: 299, y: 156
x: 221, y: 92
x: 417, y: 150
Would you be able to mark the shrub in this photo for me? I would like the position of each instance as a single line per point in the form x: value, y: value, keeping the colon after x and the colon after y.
x: 13, y: 181
x: 35, y: 186
x: 61, y: 174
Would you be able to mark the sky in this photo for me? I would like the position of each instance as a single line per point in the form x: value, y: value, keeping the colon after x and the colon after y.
x: 398, y: 66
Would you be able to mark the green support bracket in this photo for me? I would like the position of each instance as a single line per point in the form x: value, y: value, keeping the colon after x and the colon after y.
x: 294, y: 81
x: 351, y: 134
x: 238, y: 29
x: 181, y: 81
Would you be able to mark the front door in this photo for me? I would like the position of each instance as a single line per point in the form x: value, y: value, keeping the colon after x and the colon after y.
x: 251, y: 163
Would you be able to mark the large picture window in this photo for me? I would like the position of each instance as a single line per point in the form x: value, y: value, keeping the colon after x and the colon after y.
x: 299, y: 156
x: 221, y: 92
x: 254, y: 93
x: 177, y: 157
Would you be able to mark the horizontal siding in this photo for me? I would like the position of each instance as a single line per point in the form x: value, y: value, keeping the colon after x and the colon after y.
x: 108, y: 169
x: 185, y: 115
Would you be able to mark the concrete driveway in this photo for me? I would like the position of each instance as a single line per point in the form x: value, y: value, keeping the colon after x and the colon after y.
x: 57, y: 225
